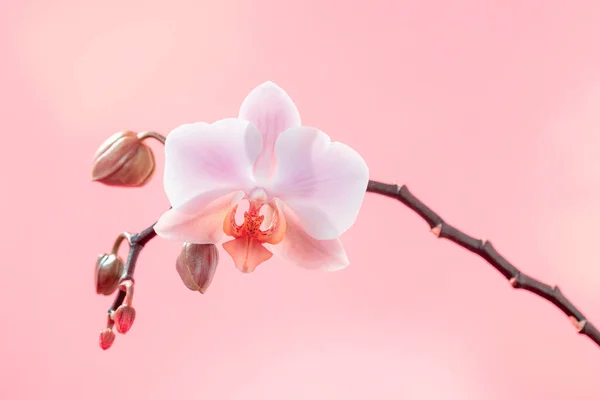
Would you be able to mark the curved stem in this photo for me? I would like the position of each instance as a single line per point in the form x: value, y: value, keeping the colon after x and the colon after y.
x: 485, y: 250
x: 439, y: 228
x: 145, y: 135
x: 136, y: 244
x: 119, y: 240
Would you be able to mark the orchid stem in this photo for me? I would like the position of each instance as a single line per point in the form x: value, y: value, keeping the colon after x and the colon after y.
x: 136, y: 244
x: 441, y: 229
x: 154, y: 135
x: 485, y: 250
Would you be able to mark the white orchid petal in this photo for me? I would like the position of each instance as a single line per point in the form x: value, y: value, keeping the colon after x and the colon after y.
x: 200, y: 220
x: 323, y: 182
x: 302, y: 250
x: 202, y: 158
x: 272, y: 111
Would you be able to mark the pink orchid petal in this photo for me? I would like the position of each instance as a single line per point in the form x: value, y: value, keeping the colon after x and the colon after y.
x: 247, y: 253
x: 272, y: 111
x: 201, y: 158
x: 302, y: 250
x: 323, y: 182
x: 203, y: 226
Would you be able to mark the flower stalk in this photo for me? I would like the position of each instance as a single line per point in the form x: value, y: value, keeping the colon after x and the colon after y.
x: 441, y: 229
x: 483, y: 248
x: 309, y: 188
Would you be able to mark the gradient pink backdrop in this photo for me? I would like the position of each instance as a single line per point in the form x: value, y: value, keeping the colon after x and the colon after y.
x: 488, y: 110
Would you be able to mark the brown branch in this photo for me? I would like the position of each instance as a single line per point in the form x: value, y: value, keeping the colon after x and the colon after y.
x: 484, y: 249
x: 136, y: 244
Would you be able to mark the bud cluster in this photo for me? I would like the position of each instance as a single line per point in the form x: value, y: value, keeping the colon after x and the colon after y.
x: 124, y: 160
x: 121, y: 319
x: 110, y: 274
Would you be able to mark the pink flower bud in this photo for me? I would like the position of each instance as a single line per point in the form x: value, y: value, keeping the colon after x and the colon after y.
x: 107, y: 337
x: 109, y: 268
x: 124, y: 317
x: 196, y: 265
x: 123, y: 160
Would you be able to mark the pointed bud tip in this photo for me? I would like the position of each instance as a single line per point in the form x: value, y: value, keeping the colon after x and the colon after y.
x: 124, y: 317
x: 107, y: 337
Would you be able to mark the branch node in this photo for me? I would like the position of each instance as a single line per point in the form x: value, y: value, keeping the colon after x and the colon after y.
x: 436, y: 230
x: 556, y: 290
x: 127, y: 287
x: 513, y: 282
x: 579, y: 325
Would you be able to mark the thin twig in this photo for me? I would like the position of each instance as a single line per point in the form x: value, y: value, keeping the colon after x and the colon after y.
x: 441, y: 229
x: 484, y: 249
x: 136, y: 244
x: 153, y: 135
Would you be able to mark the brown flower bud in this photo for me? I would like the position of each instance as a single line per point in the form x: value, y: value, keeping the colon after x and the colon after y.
x: 123, y: 160
x: 109, y: 268
x: 124, y: 317
x: 196, y: 265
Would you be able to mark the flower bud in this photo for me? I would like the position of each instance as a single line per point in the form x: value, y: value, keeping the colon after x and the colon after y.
x: 107, y: 337
x: 196, y: 265
x: 123, y: 160
x: 109, y: 268
x: 124, y: 317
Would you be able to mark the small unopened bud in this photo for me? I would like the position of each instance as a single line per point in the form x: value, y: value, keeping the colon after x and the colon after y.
x: 196, y: 265
x: 124, y: 317
x: 109, y: 268
x: 107, y: 337
x: 123, y: 160
x: 125, y: 314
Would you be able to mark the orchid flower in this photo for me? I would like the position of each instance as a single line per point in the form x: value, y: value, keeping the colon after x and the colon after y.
x: 301, y: 191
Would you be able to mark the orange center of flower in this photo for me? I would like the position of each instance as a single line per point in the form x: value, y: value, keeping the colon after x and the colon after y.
x: 247, y: 248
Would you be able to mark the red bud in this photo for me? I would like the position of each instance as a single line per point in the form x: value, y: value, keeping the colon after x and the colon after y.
x: 124, y: 317
x: 107, y: 337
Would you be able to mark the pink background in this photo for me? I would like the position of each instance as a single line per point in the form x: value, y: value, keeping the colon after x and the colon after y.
x: 488, y: 110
